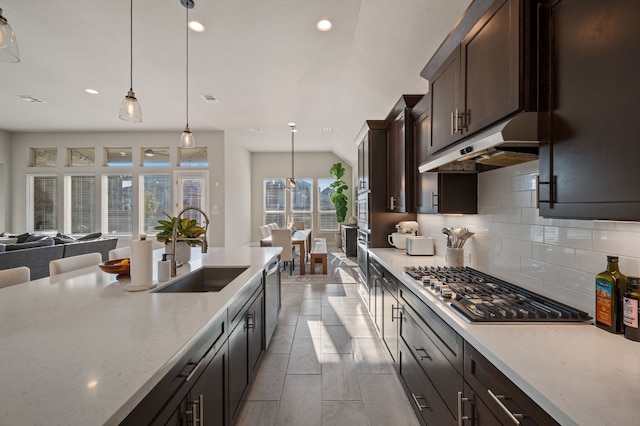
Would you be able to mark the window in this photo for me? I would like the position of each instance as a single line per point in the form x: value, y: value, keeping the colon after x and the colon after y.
x: 43, y: 203
x: 44, y: 157
x: 302, y: 202
x: 274, y: 202
x: 80, y: 204
x: 81, y: 157
x: 192, y: 190
x: 193, y: 157
x: 117, y: 202
x: 327, y: 220
x: 155, y: 157
x: 118, y: 157
x: 155, y: 201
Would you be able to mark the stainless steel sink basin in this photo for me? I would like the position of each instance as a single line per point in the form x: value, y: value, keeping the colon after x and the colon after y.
x: 204, y: 280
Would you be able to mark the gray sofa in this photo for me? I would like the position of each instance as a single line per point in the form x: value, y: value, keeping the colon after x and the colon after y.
x: 37, y: 254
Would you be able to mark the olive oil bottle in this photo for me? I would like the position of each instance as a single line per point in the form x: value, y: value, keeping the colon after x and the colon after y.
x: 631, y: 309
x: 610, y: 288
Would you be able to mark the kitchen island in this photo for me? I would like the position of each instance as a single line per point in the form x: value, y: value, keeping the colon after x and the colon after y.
x: 77, y: 349
x: 576, y: 372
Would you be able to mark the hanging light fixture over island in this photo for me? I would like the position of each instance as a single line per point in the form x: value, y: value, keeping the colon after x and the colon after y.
x: 130, y: 107
x: 186, y: 139
x: 291, y: 182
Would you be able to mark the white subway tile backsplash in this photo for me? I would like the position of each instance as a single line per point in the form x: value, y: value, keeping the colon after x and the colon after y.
x: 555, y: 257
x: 542, y: 270
x: 562, y: 256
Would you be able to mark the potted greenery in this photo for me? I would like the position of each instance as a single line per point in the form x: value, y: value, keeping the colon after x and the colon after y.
x: 339, y: 196
x: 186, y: 228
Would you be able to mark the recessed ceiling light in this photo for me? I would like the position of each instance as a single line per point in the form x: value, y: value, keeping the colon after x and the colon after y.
x: 324, y: 25
x: 196, y: 26
x: 325, y: 129
x: 92, y: 91
x: 255, y: 129
x: 209, y: 98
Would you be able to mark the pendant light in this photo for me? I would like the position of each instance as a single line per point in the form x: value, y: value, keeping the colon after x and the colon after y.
x: 291, y: 182
x: 130, y: 108
x: 186, y: 139
x: 8, y: 45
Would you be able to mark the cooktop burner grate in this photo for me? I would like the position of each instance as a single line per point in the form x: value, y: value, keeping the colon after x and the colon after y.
x: 481, y: 297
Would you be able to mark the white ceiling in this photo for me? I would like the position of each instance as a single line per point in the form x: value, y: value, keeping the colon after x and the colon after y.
x: 263, y: 60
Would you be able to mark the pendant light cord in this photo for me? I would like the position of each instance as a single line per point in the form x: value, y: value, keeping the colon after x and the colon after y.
x: 131, y: 45
x: 292, y: 174
x: 187, y: 49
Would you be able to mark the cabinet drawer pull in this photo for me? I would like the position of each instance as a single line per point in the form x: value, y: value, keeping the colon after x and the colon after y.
x: 426, y: 354
x: 452, y: 125
x: 197, y: 407
x: 393, y: 309
x: 250, y: 322
x: 434, y: 198
x: 392, y: 203
x: 498, y: 399
x: 462, y: 418
x: 416, y: 398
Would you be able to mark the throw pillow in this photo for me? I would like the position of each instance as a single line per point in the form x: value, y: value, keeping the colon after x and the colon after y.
x: 34, y: 237
x: 40, y: 243
x: 93, y: 236
x: 22, y: 237
x: 2, y: 248
x: 64, y: 240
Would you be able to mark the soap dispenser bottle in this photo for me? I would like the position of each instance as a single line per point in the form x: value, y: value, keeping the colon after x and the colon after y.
x: 164, y: 268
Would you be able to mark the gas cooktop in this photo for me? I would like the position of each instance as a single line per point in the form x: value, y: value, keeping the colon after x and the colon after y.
x: 479, y: 297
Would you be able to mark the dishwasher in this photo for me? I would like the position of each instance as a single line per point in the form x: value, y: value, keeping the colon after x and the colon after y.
x: 271, y: 299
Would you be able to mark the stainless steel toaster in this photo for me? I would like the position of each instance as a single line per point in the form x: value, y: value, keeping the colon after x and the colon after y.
x: 420, y: 246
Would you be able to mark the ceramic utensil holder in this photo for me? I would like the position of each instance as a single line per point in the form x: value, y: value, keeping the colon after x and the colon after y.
x: 454, y: 256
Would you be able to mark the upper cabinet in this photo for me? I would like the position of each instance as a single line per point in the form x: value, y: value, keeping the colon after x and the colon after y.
x: 589, y: 132
x: 489, y: 75
x: 401, y: 167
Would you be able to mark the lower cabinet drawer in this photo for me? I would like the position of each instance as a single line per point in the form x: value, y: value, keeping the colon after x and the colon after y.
x: 507, y: 401
x: 433, y: 363
x: 422, y: 395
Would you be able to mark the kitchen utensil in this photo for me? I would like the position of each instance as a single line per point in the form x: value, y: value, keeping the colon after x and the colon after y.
x: 464, y: 237
x: 448, y: 233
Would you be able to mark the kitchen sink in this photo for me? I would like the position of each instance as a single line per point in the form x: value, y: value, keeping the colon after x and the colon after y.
x: 204, y: 280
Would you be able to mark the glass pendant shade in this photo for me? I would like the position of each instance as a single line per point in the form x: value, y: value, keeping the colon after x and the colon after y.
x: 290, y: 184
x: 187, y: 140
x: 130, y: 108
x: 8, y: 45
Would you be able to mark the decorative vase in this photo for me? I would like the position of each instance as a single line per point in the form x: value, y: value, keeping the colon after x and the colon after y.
x: 183, y: 251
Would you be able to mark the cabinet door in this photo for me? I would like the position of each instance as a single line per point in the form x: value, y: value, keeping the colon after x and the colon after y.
x: 390, y: 320
x: 363, y: 165
x: 426, y: 183
x: 207, y: 397
x: 254, y: 324
x: 445, y: 100
x: 491, y: 71
x: 589, y: 150
x: 422, y: 395
x: 396, y: 179
x: 238, y: 367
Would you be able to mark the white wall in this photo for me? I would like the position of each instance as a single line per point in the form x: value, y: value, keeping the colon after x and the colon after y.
x: 554, y: 257
x: 238, y: 197
x: 5, y: 187
x: 312, y: 165
x: 22, y: 142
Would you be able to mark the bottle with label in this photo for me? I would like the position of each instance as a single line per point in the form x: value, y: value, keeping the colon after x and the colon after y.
x: 610, y: 287
x: 631, y: 308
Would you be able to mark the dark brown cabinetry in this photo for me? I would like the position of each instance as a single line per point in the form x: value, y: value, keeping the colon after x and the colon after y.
x: 390, y: 315
x: 375, y: 293
x: 378, y: 222
x: 504, y: 399
x: 349, y: 239
x: 589, y: 150
x: 488, y: 76
x: 401, y: 167
x: 446, y: 192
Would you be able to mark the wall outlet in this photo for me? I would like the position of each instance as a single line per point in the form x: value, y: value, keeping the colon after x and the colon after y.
x: 468, y: 257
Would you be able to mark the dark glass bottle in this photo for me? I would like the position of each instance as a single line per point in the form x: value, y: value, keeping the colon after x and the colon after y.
x: 610, y: 287
x: 631, y: 309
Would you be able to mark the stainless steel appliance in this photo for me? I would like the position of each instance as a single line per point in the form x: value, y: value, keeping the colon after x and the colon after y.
x: 363, y: 211
x: 271, y: 298
x: 363, y: 260
x: 420, y: 246
x: 479, y: 297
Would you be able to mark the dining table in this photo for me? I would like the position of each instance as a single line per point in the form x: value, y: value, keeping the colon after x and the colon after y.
x: 299, y: 237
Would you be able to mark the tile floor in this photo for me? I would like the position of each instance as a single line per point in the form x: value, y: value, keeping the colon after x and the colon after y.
x: 325, y: 364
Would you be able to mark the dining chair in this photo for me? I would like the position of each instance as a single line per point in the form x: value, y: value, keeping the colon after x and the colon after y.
x: 282, y: 238
x: 298, y: 225
x: 265, y: 231
x: 273, y: 225
x: 120, y: 253
x: 72, y: 263
x: 21, y: 274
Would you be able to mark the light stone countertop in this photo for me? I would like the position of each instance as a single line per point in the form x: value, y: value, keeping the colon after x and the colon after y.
x: 578, y: 373
x: 77, y: 349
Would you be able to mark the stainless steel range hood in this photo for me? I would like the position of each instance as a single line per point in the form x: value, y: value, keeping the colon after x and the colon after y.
x: 512, y: 141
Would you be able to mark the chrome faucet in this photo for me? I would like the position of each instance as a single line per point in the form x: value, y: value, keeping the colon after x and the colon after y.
x: 174, y: 237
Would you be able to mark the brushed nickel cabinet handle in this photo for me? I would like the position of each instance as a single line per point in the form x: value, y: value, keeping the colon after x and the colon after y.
x: 425, y: 356
x: 452, y: 125
x: 462, y: 418
x: 416, y: 398
x: 434, y: 197
x: 515, y: 417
